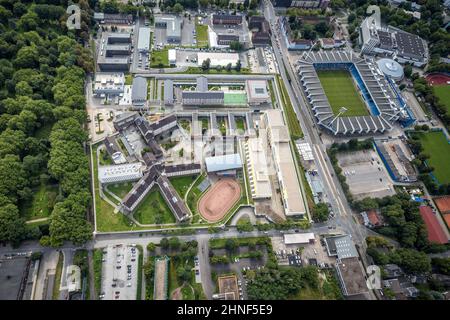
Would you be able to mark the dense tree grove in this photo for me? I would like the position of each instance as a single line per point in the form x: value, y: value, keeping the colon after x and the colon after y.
x: 42, y: 71
x: 281, y: 284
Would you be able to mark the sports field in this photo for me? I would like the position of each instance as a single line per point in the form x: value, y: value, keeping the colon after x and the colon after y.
x: 436, y: 145
x: 341, y: 92
x: 235, y: 99
x: 443, y: 93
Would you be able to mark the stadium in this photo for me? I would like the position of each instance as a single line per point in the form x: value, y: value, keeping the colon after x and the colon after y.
x: 349, y: 95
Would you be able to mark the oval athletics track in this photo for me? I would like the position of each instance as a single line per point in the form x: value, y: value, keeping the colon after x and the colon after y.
x: 215, y: 203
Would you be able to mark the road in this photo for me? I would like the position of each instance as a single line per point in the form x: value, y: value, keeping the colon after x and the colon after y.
x: 332, y: 186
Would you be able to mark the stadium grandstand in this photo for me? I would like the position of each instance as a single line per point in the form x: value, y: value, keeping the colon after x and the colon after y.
x: 381, y: 102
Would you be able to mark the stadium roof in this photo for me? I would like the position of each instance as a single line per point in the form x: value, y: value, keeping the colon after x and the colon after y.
x: 390, y: 68
x: 435, y: 232
x: 410, y: 45
x: 223, y: 163
x: 378, y: 89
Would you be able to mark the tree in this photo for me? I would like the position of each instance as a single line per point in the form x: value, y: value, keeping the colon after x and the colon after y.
x: 228, y: 67
x: 174, y: 243
x: 231, y: 245
x: 206, y: 64
x: 244, y: 224
x: 12, y: 226
x: 164, y: 243
x: 411, y: 260
x: 177, y: 8
x: 151, y: 247
x: 407, y: 70
x: 236, y: 45
x: 238, y: 66
x: 320, y: 212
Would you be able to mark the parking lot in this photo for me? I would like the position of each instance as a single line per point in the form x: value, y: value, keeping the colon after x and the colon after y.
x: 365, y: 174
x: 119, y: 272
x: 300, y: 255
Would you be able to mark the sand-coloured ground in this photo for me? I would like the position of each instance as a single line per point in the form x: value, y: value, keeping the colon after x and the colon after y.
x: 219, y: 199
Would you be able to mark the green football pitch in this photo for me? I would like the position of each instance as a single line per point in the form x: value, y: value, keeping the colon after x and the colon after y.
x: 443, y: 93
x: 436, y: 145
x: 342, y: 93
x: 235, y: 99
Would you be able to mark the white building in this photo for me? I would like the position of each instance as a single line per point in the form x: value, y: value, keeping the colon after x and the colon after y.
x: 109, y: 84
x: 172, y: 53
x: 402, y: 46
x: 299, y: 238
x: 144, y: 39
x: 279, y: 140
x: 120, y: 173
x: 257, y: 168
x: 218, y: 58
x: 257, y: 92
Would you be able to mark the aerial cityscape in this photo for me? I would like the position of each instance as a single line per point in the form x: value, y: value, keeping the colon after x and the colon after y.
x: 225, y: 150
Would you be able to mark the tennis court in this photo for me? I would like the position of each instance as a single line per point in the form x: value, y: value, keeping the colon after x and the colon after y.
x: 341, y: 92
x: 235, y: 99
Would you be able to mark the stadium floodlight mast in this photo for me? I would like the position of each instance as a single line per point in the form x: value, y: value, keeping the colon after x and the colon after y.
x: 342, y: 110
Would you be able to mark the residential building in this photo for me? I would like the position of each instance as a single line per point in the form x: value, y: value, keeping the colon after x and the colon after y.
x: 257, y: 92
x: 223, y: 163
x: 227, y: 19
x: 279, y: 142
x: 260, y: 30
x: 120, y: 173
x: 351, y: 277
x: 202, y: 96
x: 144, y: 40
x: 299, y: 238
x: 304, y: 4
x: 226, y: 39
x: 139, y: 91
x: 257, y: 168
x: 173, y: 26
x: 168, y: 92
x: 217, y: 58
x: 113, y: 18
x: 108, y: 84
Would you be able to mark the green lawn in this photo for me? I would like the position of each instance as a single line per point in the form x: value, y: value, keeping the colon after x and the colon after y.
x: 202, y: 35
x: 154, y: 210
x: 107, y: 220
x: 240, y: 123
x: 293, y: 123
x: 235, y: 99
x: 97, y: 258
x: 436, y: 145
x: 128, y: 79
x: 58, y: 274
x: 195, y: 194
x: 120, y: 189
x: 341, y: 92
x: 443, y: 93
x: 160, y: 59
x: 41, y: 204
x: 181, y: 184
